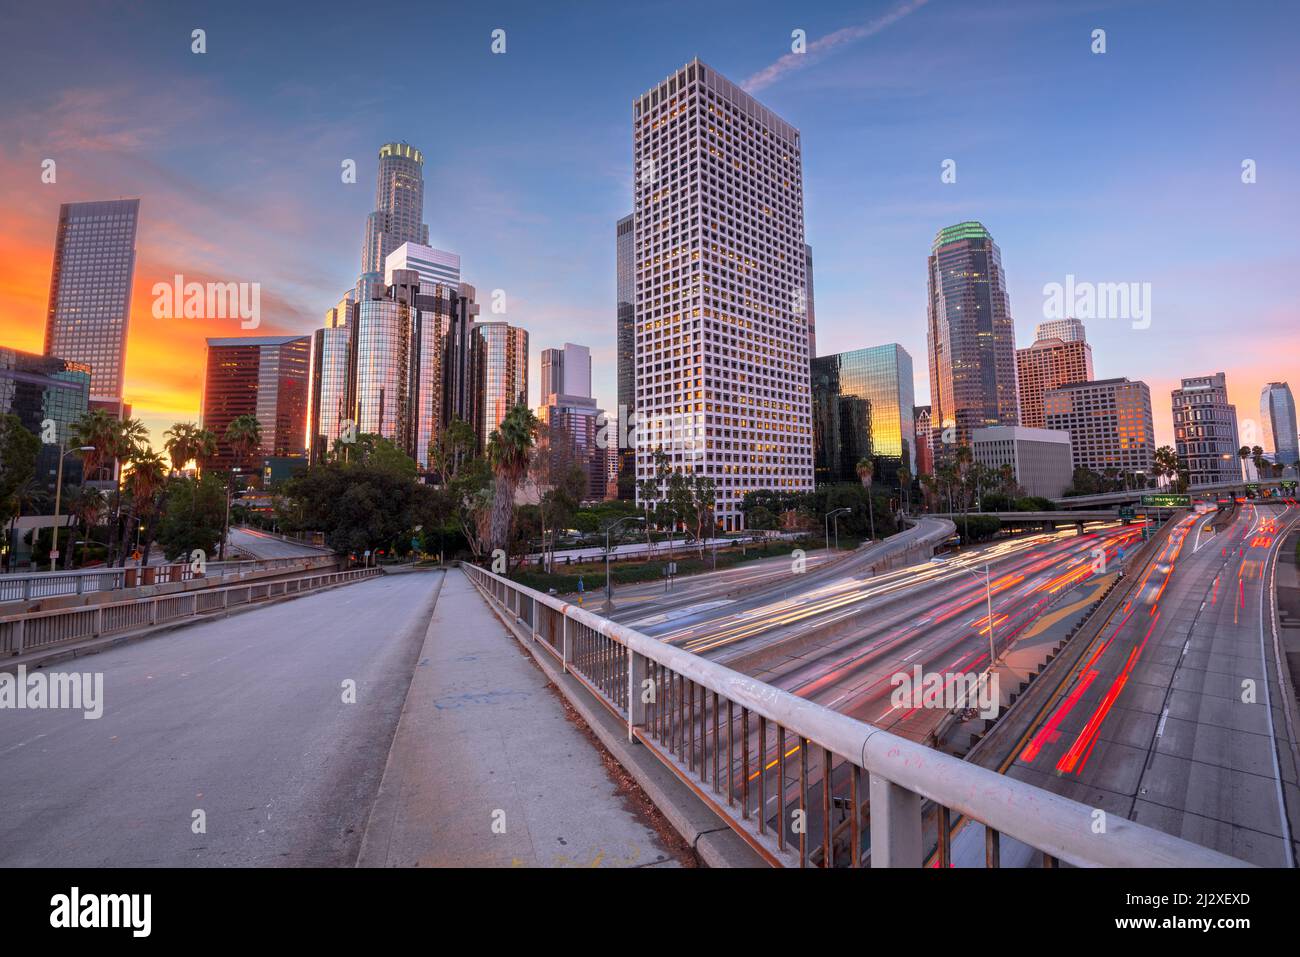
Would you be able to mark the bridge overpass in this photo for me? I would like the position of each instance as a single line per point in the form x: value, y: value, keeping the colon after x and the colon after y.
x: 1134, y: 496
x: 1040, y: 518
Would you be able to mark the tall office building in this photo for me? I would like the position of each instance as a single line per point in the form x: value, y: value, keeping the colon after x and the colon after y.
x: 38, y: 389
x: 722, y: 378
x: 90, y: 290
x: 566, y: 371
x: 1067, y: 330
x: 924, y: 436
x: 503, y: 372
x: 863, y: 406
x: 262, y: 376
x: 1278, y: 423
x: 971, y: 336
x: 1205, y: 430
x: 812, y: 307
x: 433, y: 265
x: 625, y: 265
x: 1109, y: 421
x: 331, y: 377
x: 462, y: 386
x: 1040, y: 459
x: 399, y: 207
x: 1046, y: 364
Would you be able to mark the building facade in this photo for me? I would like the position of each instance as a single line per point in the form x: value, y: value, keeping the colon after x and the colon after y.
x: 625, y: 266
x: 1205, y: 430
x: 970, y: 336
x: 1067, y: 330
x: 863, y: 407
x: 812, y: 305
x: 90, y: 290
x: 1277, y: 419
x: 924, y: 436
x: 399, y: 207
x: 1109, y: 422
x: 566, y: 371
x: 262, y: 376
x: 503, y: 372
x: 331, y: 403
x: 1046, y: 364
x: 1040, y: 459
x: 46, y: 389
x: 720, y: 266
x: 434, y: 266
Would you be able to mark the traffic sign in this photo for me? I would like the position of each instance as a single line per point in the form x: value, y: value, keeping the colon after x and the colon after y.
x: 1167, y: 501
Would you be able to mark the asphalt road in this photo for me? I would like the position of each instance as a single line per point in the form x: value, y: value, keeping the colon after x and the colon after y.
x: 261, y: 545
x: 1173, y: 718
x: 241, y: 718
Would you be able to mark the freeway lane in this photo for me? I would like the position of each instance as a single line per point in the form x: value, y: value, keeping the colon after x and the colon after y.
x: 241, y: 717
x: 1174, y: 717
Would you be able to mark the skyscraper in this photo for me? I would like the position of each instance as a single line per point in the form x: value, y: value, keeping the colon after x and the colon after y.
x: 1109, y: 421
x: 503, y: 372
x: 1278, y: 423
x: 331, y: 377
x: 863, y: 407
x: 1205, y: 430
x: 722, y: 379
x: 812, y: 308
x: 625, y: 265
x: 38, y: 389
x: 90, y: 290
x: 571, y: 415
x: 566, y: 371
x: 1046, y: 364
x: 262, y: 376
x: 971, y: 336
x: 399, y: 207
x: 924, y: 436
x: 1067, y: 330
x: 433, y: 265
x: 462, y: 386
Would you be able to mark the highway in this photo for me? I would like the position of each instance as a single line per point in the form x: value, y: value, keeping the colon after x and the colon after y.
x: 1173, y: 717
x: 260, y: 544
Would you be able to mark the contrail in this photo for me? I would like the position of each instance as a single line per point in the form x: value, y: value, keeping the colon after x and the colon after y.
x: 842, y: 37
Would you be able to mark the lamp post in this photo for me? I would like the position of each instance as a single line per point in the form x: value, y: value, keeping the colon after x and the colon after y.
x: 58, y: 496
x: 829, y: 516
x: 609, y: 587
x: 988, y: 594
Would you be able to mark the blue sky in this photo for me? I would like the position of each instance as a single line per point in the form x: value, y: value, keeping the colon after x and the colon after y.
x: 1123, y: 166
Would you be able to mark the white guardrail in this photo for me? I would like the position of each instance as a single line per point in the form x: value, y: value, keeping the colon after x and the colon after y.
x: 788, y: 774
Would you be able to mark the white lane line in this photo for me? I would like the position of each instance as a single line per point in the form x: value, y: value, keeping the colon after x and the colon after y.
x: 1160, y: 731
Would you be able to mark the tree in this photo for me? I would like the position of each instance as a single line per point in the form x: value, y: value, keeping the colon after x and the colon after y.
x: 193, y: 516
x: 905, y: 486
x: 1257, y: 456
x: 143, y: 484
x: 87, y: 505
x: 509, y: 452
x: 866, y: 470
x: 243, y: 435
x: 18, y: 451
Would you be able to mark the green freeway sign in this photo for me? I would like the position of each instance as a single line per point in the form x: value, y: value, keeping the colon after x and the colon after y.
x: 1167, y: 501
x: 1127, y: 513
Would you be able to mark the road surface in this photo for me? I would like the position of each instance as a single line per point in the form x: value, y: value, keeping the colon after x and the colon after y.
x: 260, y: 544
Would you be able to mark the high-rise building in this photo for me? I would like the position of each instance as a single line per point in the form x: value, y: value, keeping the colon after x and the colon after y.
x: 1109, y: 421
x: 1067, y: 330
x: 90, y: 290
x: 399, y: 207
x: 1277, y: 419
x: 332, y: 377
x: 262, y: 376
x: 812, y: 307
x: 503, y: 372
x: 971, y: 336
x: 462, y: 386
x: 46, y: 389
x: 1039, y: 459
x: 566, y: 371
x: 722, y: 379
x: 863, y: 407
x: 1046, y: 364
x: 625, y: 264
x: 435, y: 266
x: 924, y: 451
x: 1205, y: 430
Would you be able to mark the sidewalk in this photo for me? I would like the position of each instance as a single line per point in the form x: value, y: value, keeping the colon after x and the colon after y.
x: 486, y: 770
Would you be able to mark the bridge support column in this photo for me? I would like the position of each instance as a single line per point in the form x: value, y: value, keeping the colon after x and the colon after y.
x: 895, y: 825
x: 1078, y: 527
x: 566, y: 646
x: 637, y: 672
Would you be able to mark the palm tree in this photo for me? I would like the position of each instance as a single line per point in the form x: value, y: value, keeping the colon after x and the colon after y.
x: 1243, y: 453
x: 244, y: 436
x: 509, y: 450
x: 905, y: 486
x: 1257, y: 456
x: 866, y: 470
x: 87, y: 504
x: 146, y: 479
x: 28, y: 495
x: 182, y: 444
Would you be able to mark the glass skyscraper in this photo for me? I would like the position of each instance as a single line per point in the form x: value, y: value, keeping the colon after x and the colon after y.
x: 399, y: 207
x: 1278, y: 424
x: 262, y: 376
x: 90, y: 290
x: 39, y: 388
x: 971, y: 336
x: 625, y: 263
x: 863, y: 407
x: 504, y: 372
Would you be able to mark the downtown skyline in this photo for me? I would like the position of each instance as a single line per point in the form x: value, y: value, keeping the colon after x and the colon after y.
x: 536, y: 224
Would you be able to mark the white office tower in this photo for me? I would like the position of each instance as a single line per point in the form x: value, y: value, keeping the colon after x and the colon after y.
x: 433, y: 265
x: 566, y: 371
x: 721, y: 310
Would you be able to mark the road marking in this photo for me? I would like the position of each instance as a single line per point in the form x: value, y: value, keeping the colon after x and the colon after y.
x: 1160, y: 731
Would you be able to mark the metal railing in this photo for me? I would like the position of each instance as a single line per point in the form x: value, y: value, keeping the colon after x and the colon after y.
x: 34, y: 630
x: 804, y: 785
x: 28, y: 586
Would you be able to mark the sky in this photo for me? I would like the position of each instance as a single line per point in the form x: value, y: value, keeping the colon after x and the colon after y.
x: 1122, y: 166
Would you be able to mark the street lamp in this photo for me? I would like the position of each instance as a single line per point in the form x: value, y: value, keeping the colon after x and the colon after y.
x: 831, y: 515
x: 988, y: 593
x: 609, y: 588
x: 58, y: 495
